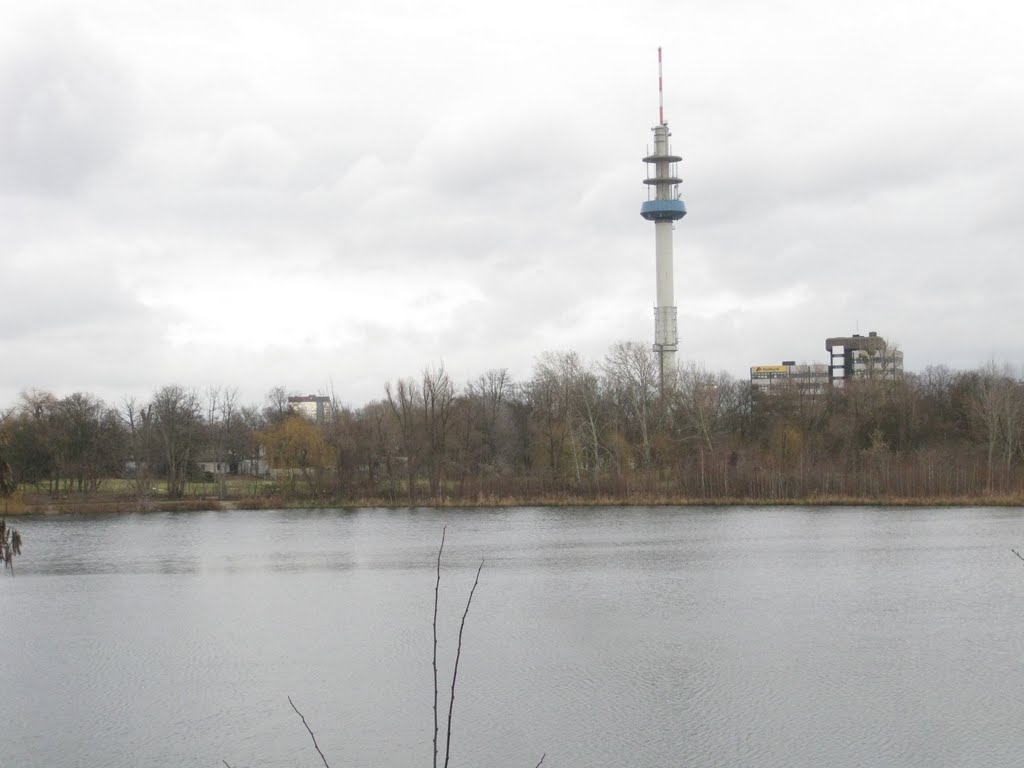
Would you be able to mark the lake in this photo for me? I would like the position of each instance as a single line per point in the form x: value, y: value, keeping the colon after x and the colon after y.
x: 601, y: 637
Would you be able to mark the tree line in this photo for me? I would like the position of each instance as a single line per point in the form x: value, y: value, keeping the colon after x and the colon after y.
x: 605, y: 430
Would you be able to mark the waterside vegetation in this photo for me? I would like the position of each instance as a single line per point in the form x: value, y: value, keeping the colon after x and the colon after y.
x: 573, y: 433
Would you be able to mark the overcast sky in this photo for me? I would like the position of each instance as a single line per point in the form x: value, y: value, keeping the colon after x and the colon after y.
x: 252, y: 192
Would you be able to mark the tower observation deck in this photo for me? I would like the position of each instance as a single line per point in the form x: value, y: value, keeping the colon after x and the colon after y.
x: 663, y: 207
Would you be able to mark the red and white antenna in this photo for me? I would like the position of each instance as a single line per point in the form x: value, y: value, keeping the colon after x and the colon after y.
x: 661, y: 97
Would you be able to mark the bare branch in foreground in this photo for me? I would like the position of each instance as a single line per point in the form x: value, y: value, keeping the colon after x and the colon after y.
x: 455, y: 671
x: 1018, y: 554
x: 437, y: 588
x: 541, y: 760
x: 226, y: 763
x: 311, y: 735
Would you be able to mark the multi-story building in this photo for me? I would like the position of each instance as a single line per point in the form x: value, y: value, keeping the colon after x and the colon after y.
x: 806, y: 378
x: 313, y: 407
x: 850, y: 357
x: 865, y: 357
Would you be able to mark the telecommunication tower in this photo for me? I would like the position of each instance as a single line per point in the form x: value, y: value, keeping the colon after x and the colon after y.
x: 664, y: 209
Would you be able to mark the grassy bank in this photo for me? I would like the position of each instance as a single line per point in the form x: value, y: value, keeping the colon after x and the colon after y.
x: 113, y: 503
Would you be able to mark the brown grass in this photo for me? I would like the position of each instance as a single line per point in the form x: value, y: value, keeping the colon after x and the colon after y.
x: 115, y: 503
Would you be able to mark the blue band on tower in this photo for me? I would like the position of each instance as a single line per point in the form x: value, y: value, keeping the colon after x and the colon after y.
x: 663, y: 210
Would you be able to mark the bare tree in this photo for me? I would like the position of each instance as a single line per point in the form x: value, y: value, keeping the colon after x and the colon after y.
x: 382, y: 444
x: 138, y: 422
x: 996, y: 410
x: 490, y: 393
x: 278, y: 407
x: 7, y: 482
x: 700, y: 402
x: 88, y: 441
x: 177, y: 420
x: 32, y: 436
x: 402, y: 400
x: 437, y: 400
x: 225, y: 430
x: 347, y: 436
x: 571, y: 411
x: 632, y: 373
x: 547, y: 400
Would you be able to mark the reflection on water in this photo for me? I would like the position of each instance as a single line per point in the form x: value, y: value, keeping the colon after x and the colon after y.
x: 625, y: 637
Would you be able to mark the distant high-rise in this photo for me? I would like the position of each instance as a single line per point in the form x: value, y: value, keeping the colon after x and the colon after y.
x: 664, y: 209
x: 850, y: 358
x: 313, y: 407
x: 869, y: 357
x: 803, y: 378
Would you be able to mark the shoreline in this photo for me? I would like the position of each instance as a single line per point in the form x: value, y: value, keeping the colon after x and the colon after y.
x: 100, y: 505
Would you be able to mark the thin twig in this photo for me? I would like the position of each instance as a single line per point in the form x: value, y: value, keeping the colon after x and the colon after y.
x: 311, y: 735
x: 541, y: 760
x: 1018, y: 554
x: 226, y: 763
x: 455, y: 671
x: 437, y: 588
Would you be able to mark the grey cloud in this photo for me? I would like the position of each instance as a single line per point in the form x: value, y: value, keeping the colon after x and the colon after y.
x: 71, y: 300
x: 507, y: 159
x: 70, y: 337
x: 66, y: 113
x: 252, y: 154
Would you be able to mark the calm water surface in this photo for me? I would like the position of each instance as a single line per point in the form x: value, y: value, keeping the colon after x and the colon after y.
x: 602, y: 637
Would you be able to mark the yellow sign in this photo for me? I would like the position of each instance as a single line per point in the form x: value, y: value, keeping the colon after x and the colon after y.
x: 769, y: 369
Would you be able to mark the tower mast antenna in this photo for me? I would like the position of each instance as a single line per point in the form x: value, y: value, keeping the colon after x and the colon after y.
x: 661, y: 93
